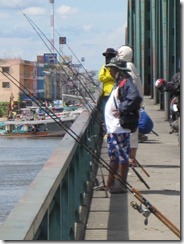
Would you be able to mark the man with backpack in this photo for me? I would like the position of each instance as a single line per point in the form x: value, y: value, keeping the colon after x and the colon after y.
x: 121, y: 118
x: 125, y: 53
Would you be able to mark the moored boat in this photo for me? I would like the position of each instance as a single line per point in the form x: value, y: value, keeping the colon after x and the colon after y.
x: 35, y: 122
x: 34, y: 128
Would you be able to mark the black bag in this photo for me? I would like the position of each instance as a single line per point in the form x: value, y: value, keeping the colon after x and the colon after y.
x: 129, y: 121
x: 130, y: 118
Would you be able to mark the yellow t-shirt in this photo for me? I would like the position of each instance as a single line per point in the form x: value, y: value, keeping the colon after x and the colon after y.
x: 107, y: 80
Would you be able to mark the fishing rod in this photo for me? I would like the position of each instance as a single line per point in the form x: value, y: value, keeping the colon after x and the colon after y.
x: 87, y: 104
x: 131, y: 165
x: 34, y: 25
x: 99, y: 88
x: 97, y: 183
x: 84, y: 87
x: 139, y: 165
x: 96, y: 117
x: 53, y: 115
x: 149, y: 207
x: 139, y: 176
x: 50, y: 112
x: 40, y: 104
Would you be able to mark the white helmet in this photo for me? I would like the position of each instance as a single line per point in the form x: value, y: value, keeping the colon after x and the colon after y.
x: 125, y: 53
x: 160, y: 83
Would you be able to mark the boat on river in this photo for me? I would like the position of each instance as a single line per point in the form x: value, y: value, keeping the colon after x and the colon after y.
x: 34, y: 122
x: 34, y: 128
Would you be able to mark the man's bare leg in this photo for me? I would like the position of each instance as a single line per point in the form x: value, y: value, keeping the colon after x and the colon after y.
x: 111, y: 179
x: 124, y: 168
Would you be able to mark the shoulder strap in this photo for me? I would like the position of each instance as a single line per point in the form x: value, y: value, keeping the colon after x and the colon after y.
x: 121, y: 84
x: 115, y: 102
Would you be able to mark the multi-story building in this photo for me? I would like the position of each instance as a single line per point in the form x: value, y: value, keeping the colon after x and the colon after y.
x: 18, y: 74
x: 39, y: 92
x: 33, y: 76
x: 46, y: 79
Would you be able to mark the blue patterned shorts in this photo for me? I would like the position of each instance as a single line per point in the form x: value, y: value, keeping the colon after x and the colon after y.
x: 119, y: 147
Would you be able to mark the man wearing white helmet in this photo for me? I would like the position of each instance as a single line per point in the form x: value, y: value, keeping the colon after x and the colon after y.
x: 125, y: 53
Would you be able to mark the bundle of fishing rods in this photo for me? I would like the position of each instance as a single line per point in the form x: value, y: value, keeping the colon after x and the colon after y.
x: 144, y: 211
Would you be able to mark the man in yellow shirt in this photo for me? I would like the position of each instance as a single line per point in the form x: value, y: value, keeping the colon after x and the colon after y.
x: 105, y: 76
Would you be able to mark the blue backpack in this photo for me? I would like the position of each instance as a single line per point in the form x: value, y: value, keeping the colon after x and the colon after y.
x: 145, y: 123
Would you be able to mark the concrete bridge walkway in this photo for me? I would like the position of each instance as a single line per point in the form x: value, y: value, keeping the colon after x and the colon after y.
x: 113, y: 219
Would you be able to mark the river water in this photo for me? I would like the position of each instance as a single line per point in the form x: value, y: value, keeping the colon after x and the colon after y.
x: 20, y: 161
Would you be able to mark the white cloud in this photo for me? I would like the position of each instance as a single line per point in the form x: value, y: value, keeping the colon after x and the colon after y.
x: 113, y: 38
x: 87, y: 28
x: 34, y: 11
x: 3, y: 15
x: 92, y: 48
x: 65, y: 10
x: 15, y: 50
x: 20, y: 3
x: 87, y: 35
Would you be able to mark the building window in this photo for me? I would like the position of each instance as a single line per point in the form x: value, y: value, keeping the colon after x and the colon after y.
x: 5, y: 69
x: 5, y: 84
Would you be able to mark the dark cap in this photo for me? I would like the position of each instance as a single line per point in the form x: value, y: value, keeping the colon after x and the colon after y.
x: 109, y: 51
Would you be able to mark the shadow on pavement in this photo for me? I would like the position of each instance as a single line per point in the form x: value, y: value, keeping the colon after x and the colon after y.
x: 118, y: 218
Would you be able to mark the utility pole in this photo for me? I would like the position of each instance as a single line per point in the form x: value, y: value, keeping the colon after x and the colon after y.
x: 52, y: 24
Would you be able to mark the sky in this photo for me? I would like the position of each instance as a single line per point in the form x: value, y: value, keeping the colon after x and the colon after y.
x: 90, y: 27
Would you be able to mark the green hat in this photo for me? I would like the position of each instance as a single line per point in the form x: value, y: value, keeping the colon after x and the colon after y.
x: 119, y: 64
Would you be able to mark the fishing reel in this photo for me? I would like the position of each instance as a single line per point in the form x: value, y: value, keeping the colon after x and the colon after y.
x: 145, y: 212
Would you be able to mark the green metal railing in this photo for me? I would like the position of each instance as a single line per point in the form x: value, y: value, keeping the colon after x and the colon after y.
x: 153, y: 32
x: 56, y: 204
